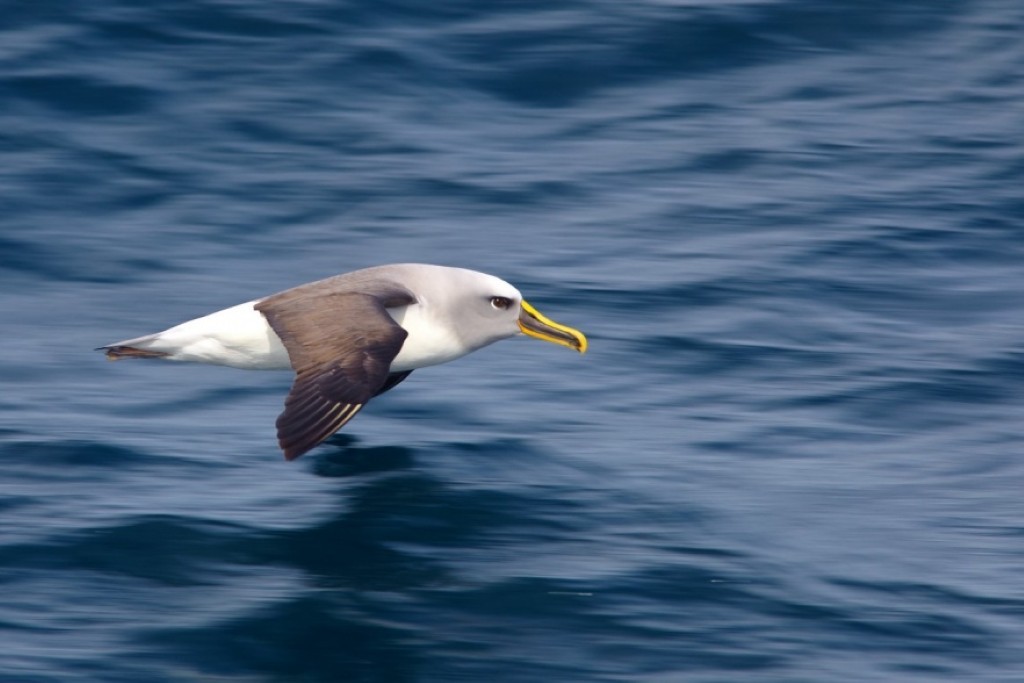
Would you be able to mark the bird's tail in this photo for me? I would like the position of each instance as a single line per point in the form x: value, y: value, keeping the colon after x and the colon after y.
x: 119, y: 352
x: 139, y: 347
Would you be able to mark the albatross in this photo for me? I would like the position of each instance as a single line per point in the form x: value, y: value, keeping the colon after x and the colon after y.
x: 352, y: 337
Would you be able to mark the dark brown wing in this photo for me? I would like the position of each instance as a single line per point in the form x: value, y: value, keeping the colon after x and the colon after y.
x: 393, y: 380
x: 341, y: 345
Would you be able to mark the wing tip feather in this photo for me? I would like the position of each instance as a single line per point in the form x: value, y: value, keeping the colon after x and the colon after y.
x: 294, y: 444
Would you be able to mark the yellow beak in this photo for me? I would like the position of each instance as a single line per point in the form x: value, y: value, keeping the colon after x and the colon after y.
x: 531, y: 322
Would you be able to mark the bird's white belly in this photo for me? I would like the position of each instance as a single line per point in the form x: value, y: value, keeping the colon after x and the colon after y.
x: 239, y: 337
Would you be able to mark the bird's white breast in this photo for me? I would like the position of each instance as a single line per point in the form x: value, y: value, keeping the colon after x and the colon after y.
x: 430, y: 342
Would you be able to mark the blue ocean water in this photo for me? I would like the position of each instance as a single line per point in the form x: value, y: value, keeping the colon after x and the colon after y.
x: 792, y: 231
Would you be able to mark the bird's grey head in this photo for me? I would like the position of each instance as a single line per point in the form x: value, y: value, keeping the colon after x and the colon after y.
x: 482, y: 309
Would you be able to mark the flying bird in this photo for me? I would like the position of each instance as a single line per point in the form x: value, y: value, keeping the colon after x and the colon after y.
x: 352, y: 337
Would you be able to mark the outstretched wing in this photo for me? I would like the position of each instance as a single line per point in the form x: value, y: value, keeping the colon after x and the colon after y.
x: 341, y: 345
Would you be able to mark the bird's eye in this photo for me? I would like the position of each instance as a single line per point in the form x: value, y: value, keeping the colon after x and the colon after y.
x: 501, y: 303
